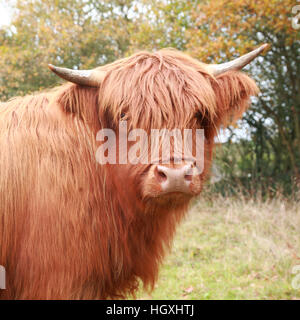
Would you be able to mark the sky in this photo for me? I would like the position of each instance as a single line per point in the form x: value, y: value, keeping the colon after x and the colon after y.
x: 4, y: 15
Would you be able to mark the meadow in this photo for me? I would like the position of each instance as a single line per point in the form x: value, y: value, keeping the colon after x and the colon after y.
x: 233, y: 248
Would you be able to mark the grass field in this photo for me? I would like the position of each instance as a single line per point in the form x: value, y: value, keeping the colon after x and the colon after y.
x: 233, y: 249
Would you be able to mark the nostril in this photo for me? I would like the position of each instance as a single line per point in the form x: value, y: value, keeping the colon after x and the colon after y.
x: 188, y: 177
x: 160, y: 175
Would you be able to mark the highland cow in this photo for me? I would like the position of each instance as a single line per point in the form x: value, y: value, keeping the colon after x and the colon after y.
x: 71, y: 228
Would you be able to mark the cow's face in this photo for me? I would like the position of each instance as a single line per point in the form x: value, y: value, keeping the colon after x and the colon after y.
x: 169, y: 97
x: 153, y: 100
x: 168, y: 101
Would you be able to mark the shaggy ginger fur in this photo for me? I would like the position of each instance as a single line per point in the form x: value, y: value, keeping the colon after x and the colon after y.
x: 69, y: 229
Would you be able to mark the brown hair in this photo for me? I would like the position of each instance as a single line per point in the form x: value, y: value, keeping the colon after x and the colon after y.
x: 69, y: 229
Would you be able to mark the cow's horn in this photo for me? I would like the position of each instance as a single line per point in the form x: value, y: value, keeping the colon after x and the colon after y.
x: 239, y: 63
x: 91, y: 78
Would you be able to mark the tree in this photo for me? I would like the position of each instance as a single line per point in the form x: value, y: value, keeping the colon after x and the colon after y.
x: 75, y: 34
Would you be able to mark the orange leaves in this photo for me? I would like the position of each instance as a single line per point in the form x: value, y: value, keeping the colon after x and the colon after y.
x: 234, y: 25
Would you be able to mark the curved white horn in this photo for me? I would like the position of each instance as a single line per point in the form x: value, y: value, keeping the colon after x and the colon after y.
x: 239, y: 63
x: 91, y: 78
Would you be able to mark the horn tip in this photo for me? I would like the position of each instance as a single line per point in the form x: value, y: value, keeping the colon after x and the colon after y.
x: 265, y: 47
x: 51, y: 67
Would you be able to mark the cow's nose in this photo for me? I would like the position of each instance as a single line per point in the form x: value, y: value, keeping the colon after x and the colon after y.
x: 175, y: 179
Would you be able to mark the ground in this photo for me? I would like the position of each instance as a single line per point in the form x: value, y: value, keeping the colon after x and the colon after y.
x: 234, y: 249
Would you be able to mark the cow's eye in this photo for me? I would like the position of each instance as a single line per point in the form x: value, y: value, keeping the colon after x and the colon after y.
x: 199, y: 116
x: 123, y: 114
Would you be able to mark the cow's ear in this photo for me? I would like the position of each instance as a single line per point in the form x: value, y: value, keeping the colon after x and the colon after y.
x: 233, y: 90
x: 79, y: 100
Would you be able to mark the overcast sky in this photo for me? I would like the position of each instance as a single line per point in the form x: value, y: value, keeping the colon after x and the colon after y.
x: 4, y: 15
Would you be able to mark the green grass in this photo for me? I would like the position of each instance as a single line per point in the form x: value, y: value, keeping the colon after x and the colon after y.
x: 233, y: 249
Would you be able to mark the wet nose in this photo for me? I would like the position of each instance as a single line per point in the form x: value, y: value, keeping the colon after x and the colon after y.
x: 175, y: 179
